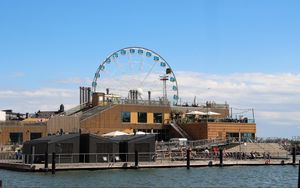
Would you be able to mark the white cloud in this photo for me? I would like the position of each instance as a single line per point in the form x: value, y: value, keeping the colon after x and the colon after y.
x: 39, y: 99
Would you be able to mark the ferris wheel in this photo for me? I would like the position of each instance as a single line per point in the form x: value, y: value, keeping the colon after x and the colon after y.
x: 137, y: 68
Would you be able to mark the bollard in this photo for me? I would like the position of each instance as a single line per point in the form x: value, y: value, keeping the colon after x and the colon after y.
x: 136, y: 157
x: 221, y: 157
x: 294, y: 155
x: 46, y: 160
x: 53, y: 163
x: 188, y: 156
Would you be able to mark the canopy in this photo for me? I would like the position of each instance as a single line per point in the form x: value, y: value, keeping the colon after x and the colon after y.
x: 114, y: 133
x: 139, y: 133
x: 212, y: 113
x: 196, y: 113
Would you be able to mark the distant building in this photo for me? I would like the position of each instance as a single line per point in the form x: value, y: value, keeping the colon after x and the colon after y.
x: 49, y: 114
x: 14, y: 116
x: 2, y: 116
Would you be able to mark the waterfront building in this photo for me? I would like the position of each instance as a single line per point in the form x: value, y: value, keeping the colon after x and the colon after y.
x: 101, y: 111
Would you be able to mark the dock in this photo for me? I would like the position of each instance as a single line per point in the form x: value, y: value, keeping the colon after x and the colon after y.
x: 131, y: 165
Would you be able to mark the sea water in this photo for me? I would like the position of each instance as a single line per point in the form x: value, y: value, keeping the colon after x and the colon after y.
x: 238, y: 176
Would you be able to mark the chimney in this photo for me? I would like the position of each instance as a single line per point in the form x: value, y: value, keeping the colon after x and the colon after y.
x: 89, y: 95
x: 149, y: 96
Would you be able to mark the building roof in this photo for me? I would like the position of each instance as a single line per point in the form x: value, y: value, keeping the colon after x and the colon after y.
x: 100, y: 137
x: 54, y: 138
x: 129, y: 138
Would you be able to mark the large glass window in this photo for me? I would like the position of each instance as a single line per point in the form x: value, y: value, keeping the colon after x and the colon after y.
x: 126, y: 117
x: 142, y: 117
x: 248, y: 135
x: 157, y: 117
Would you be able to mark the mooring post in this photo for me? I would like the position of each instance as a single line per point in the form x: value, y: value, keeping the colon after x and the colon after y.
x: 46, y: 160
x: 188, y: 157
x: 299, y: 175
x: 294, y: 155
x: 53, y: 163
x: 221, y: 157
x: 136, y: 157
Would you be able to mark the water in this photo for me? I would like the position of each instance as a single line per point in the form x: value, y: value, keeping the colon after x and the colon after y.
x: 246, y: 176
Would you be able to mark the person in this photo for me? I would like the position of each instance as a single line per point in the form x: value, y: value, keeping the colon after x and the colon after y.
x: 18, y: 154
x: 206, y: 152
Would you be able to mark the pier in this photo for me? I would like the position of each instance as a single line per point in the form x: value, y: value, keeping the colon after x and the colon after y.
x: 217, y: 162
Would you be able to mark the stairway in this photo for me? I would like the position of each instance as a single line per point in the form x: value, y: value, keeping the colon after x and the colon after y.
x: 76, y: 109
x: 93, y: 111
x: 180, y: 131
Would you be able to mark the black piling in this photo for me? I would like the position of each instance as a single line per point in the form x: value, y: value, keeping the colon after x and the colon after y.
x: 136, y: 158
x: 299, y: 175
x: 46, y: 160
x: 188, y: 158
x: 0, y: 183
x: 294, y: 155
x: 221, y: 157
x: 53, y: 163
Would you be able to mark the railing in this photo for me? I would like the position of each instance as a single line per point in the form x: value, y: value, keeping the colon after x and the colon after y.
x: 196, y: 144
x: 159, y: 157
x: 89, y: 158
x: 142, y: 102
x: 216, y: 120
x: 75, y: 109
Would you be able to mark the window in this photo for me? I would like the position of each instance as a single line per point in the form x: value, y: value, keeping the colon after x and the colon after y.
x: 16, y: 138
x: 232, y: 135
x: 35, y: 136
x: 157, y: 117
x: 142, y: 117
x: 248, y: 135
x: 126, y: 117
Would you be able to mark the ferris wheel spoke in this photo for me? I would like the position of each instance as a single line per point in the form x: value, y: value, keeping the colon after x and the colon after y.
x: 147, y: 75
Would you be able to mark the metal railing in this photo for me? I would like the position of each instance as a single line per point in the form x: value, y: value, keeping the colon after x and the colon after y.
x: 148, y: 158
x: 89, y: 158
x: 213, y: 120
x: 142, y: 102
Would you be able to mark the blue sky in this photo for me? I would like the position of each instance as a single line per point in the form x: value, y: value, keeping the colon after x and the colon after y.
x: 45, y: 44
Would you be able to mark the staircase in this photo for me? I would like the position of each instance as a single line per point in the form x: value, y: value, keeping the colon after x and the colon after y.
x: 180, y: 131
x: 93, y: 111
x: 76, y: 109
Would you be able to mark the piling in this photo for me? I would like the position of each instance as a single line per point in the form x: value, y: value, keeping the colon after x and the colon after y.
x: 53, y: 163
x: 294, y: 155
x: 136, y: 158
x: 188, y: 157
x: 221, y: 157
x: 46, y: 160
x: 0, y: 183
x: 299, y: 175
